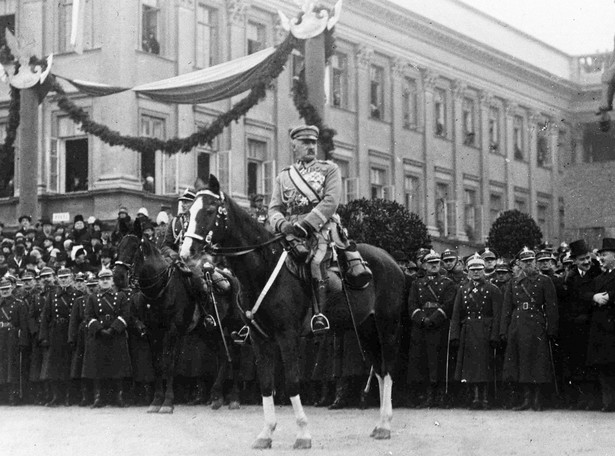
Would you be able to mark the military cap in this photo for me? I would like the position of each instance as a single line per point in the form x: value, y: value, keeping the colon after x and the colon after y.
x: 91, y: 279
x: 431, y: 257
x: 305, y: 132
x: 475, y: 262
x: 46, y: 271
x: 566, y: 258
x: 411, y: 265
x: 11, y: 278
x: 64, y: 272
x: 488, y: 254
x: 28, y: 275
x: 449, y: 254
x: 188, y: 195
x: 502, y: 266
x: 4, y: 284
x: 105, y: 273
x: 420, y: 254
x: 19, y: 283
x: 79, y: 277
x: 526, y: 254
x: 545, y: 255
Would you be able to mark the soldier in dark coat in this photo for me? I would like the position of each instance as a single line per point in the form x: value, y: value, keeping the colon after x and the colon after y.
x: 529, y: 324
x: 601, y: 346
x: 475, y: 327
x: 13, y: 338
x: 430, y: 305
x: 574, y: 325
x: 140, y: 348
x: 53, y: 335
x: 107, y: 313
x: 76, y: 337
x: 30, y: 295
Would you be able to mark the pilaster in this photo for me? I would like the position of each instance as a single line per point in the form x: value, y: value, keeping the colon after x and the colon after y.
x: 364, y: 56
x: 459, y: 91
x: 429, y: 83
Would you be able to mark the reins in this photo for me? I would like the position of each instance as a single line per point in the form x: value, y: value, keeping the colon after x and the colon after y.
x: 240, y: 251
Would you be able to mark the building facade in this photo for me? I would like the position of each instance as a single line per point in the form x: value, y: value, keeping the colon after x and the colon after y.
x: 456, y: 130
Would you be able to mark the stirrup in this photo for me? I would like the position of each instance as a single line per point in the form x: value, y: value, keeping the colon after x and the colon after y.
x: 209, y: 321
x: 319, y: 323
x: 241, y: 337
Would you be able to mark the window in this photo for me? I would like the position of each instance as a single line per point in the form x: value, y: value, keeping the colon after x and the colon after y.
x: 261, y: 173
x: 65, y: 14
x: 542, y: 218
x: 518, y: 139
x: 562, y: 218
x: 7, y: 173
x: 543, y: 156
x: 496, y: 206
x: 7, y: 21
x: 494, y: 129
x: 297, y: 62
x: 204, y: 158
x: 521, y: 204
x: 150, y: 28
x: 155, y: 127
x: 206, y: 36
x: 68, y: 158
x: 412, y: 194
x: 339, y: 80
x: 469, y: 131
x: 409, y: 103
x: 376, y: 93
x: 256, y: 34
x: 445, y: 213
x: 440, y: 112
x: 378, y: 182
x: 349, y: 184
x: 470, y: 209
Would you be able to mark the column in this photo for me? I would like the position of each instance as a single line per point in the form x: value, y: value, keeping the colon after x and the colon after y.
x: 27, y: 163
x: 510, y: 109
x: 578, y: 155
x: 533, y: 120
x: 429, y: 83
x: 397, y: 152
x: 314, y: 77
x: 364, y: 56
x: 553, y: 146
x: 459, y: 91
x: 485, y: 103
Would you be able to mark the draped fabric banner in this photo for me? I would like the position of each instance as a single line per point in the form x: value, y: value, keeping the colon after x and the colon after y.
x: 203, y: 86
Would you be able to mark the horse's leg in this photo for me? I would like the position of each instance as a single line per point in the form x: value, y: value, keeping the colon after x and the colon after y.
x: 265, y: 353
x: 217, y: 389
x: 383, y: 429
x: 156, y: 403
x: 234, y: 393
x: 289, y: 342
x: 174, y: 348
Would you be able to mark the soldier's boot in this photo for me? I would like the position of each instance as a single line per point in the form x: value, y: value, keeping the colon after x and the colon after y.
x: 342, y: 390
x: 119, y: 385
x: 98, y: 400
x: 476, y: 403
x: 67, y: 402
x: 319, y: 323
x: 83, y: 388
x: 199, y: 397
x: 357, y: 274
x: 147, y: 394
x: 485, y: 396
x: 537, y: 399
x: 324, y: 395
x: 429, y: 397
x: 55, y: 394
x: 13, y: 395
x: 527, y: 399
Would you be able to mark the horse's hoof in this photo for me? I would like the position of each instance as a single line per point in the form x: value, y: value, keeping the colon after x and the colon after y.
x: 168, y: 409
x: 302, y: 444
x: 153, y: 409
x: 261, y: 444
x: 234, y: 405
x: 381, y: 433
x: 216, y: 404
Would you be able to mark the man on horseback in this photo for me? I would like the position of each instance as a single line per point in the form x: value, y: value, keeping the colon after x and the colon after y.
x: 303, y: 205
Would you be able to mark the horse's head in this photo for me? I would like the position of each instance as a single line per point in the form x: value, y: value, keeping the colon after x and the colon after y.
x: 124, y: 264
x: 208, y: 219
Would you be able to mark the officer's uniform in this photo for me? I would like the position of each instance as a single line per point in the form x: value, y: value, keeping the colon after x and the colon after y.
x: 13, y: 338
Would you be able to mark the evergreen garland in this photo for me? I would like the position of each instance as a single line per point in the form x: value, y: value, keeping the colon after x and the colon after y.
x: 7, y: 152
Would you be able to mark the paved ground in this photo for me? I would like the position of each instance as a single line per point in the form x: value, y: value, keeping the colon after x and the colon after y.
x: 201, y: 431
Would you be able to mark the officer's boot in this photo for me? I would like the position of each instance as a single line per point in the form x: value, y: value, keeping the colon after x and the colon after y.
x: 537, y: 399
x: 147, y: 394
x: 98, y: 400
x: 83, y: 388
x: 356, y: 274
x: 13, y: 395
x: 67, y: 386
x: 527, y: 399
x: 341, y: 394
x: 485, y: 397
x: 319, y: 323
x: 476, y: 404
x: 199, y: 397
x: 55, y: 394
x: 430, y: 397
x: 324, y: 395
x: 119, y: 385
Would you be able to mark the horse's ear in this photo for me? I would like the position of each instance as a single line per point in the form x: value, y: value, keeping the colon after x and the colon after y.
x: 214, y: 185
x: 199, y: 184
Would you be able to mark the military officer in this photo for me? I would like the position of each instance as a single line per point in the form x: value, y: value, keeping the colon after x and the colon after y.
x: 490, y: 256
x: 503, y: 273
x: 76, y: 338
x: 303, y: 204
x: 53, y: 334
x: 107, y: 313
x: 529, y: 323
x: 174, y: 234
x: 453, y: 266
x: 430, y: 305
x: 475, y: 327
x: 13, y: 338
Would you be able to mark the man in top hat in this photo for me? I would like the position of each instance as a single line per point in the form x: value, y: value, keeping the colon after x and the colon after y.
x: 430, y: 305
x: 574, y: 326
x: 53, y: 335
x: 475, y: 327
x: 601, y: 344
x: 13, y: 339
x: 529, y: 324
x: 490, y: 256
x: 107, y: 313
x: 303, y: 207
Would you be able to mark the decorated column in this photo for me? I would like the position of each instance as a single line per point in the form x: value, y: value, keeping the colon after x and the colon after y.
x: 459, y: 90
x: 534, y: 118
x: 28, y: 154
x: 510, y: 110
x: 485, y: 104
x: 364, y: 56
x: 429, y: 84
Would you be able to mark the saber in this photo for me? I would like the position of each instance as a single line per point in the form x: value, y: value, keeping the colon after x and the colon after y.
x: 495, y: 375
x: 553, y: 368
x: 215, y: 304
x: 368, y: 385
x: 448, y: 353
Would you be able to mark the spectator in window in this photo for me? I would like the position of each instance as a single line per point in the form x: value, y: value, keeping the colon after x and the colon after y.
x: 150, y: 44
x: 148, y: 183
x: 123, y: 226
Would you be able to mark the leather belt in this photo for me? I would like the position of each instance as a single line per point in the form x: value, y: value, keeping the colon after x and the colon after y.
x: 431, y: 305
x: 527, y: 306
x: 61, y: 320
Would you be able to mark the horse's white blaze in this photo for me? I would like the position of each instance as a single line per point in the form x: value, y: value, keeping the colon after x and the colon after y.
x: 386, y: 405
x: 270, y: 423
x: 191, y: 230
x: 302, y: 422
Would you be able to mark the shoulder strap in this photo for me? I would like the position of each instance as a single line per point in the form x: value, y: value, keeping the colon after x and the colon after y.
x: 301, y: 184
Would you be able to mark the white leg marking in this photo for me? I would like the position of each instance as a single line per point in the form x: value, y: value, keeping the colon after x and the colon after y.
x: 270, y: 423
x: 388, y: 404
x: 302, y: 422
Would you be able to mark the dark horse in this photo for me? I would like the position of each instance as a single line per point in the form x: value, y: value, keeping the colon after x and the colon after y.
x: 217, y: 219
x: 172, y: 297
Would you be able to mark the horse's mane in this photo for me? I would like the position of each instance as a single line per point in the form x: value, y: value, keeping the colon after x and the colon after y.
x: 241, y: 223
x: 150, y: 249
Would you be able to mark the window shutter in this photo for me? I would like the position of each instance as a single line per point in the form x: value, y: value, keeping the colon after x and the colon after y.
x: 350, y: 189
x: 223, y: 170
x: 54, y: 166
x: 269, y: 172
